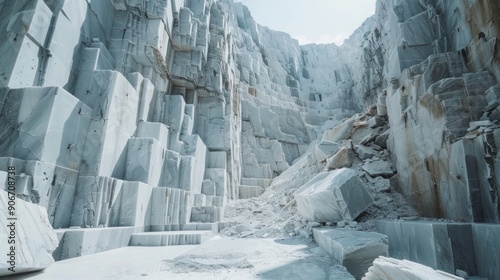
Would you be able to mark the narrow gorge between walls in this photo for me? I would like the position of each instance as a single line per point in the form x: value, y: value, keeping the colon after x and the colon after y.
x: 184, y: 124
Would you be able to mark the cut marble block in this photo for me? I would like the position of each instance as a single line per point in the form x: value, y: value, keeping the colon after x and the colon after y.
x: 250, y: 191
x: 81, y: 242
x: 200, y: 200
x: 145, y: 157
x: 486, y: 246
x: 45, y: 124
x: 170, y: 238
x: 174, y: 112
x: 64, y: 41
x: 147, y: 101
x: 218, y: 175
x: 212, y: 124
x: 25, y: 28
x: 333, y: 196
x: 189, y: 179
x: 444, y: 246
x: 216, y: 160
x: 208, y: 187
x: 388, y: 268
x: 193, y: 163
x: 355, y: 250
x: 153, y: 130
x: 187, y: 125
x: 54, y: 188
x: 114, y: 104
x: 135, y: 206
x: 170, y: 207
x: 96, y: 57
x: 95, y: 200
x: 34, y: 237
x: 206, y: 214
x: 171, y: 169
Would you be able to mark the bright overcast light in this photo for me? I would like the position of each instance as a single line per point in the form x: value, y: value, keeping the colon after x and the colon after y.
x: 312, y: 21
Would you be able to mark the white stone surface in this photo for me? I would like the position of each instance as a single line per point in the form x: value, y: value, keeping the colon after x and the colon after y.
x: 33, y: 238
x: 388, y: 268
x: 333, y: 196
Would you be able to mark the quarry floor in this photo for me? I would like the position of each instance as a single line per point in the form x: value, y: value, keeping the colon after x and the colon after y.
x: 218, y: 258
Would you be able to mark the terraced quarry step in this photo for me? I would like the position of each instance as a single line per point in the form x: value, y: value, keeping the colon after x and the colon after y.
x: 170, y: 238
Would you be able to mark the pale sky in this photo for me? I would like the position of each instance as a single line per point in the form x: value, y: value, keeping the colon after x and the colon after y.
x: 312, y: 21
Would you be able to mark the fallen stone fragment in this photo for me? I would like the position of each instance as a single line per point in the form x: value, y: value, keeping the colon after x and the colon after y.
x: 375, y: 122
x: 35, y: 240
x: 355, y: 250
x: 378, y: 168
x: 340, y: 132
x: 339, y: 160
x: 365, y: 152
x: 333, y: 196
x: 325, y: 149
x: 388, y: 268
x: 381, y: 140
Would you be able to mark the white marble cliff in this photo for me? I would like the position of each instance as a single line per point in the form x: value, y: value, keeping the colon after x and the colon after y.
x: 128, y: 120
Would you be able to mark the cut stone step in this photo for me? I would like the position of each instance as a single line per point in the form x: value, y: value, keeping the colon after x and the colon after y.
x: 170, y: 238
x: 355, y: 250
x: 261, y: 182
x: 214, y: 227
x: 207, y: 214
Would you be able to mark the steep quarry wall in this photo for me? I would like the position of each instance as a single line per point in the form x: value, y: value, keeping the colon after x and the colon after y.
x: 132, y: 116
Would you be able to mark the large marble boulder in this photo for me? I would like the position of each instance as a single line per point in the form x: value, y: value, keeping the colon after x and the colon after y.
x: 29, y: 239
x: 333, y: 196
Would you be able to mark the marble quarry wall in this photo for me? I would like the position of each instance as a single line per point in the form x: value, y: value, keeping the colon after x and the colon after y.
x: 105, y: 100
x: 148, y: 115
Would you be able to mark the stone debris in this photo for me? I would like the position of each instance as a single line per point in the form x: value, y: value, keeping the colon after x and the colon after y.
x: 378, y: 168
x: 365, y: 152
x: 340, y: 160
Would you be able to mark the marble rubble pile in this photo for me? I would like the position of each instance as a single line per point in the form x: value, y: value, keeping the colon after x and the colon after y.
x: 327, y: 185
x: 30, y: 235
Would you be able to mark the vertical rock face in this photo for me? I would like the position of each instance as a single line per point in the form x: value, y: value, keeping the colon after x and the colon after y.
x: 136, y: 113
